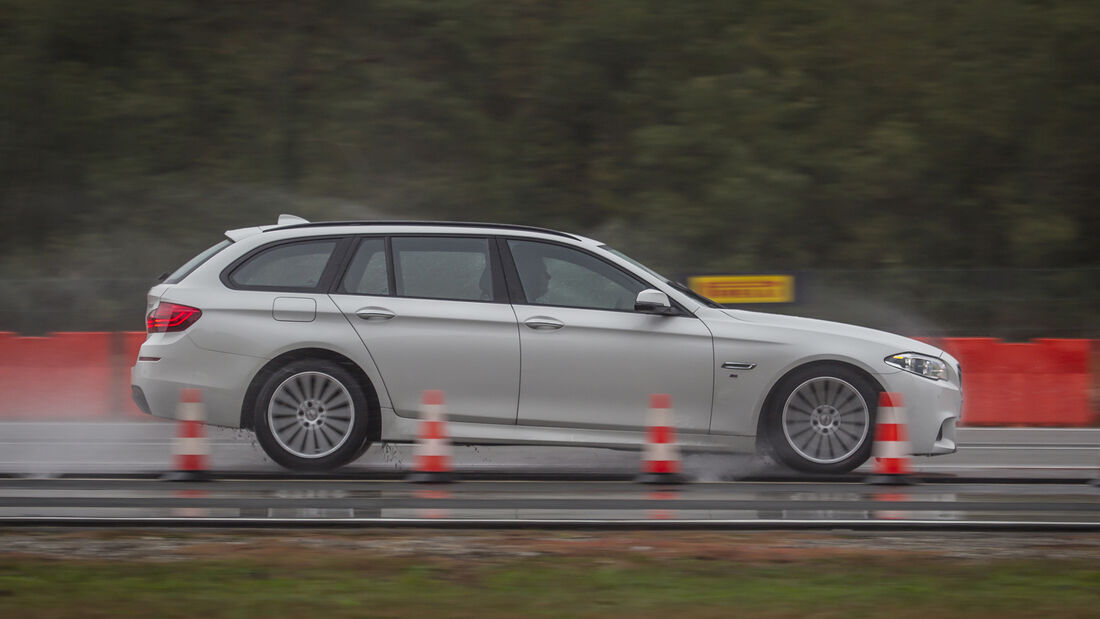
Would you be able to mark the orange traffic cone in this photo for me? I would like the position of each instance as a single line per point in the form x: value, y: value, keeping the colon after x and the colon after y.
x: 891, y: 448
x: 433, y: 448
x: 660, y: 457
x: 190, y: 448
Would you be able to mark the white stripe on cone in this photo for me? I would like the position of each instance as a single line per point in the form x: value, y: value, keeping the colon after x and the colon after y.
x: 431, y: 412
x: 191, y: 411
x: 194, y: 446
x: 662, y: 452
x: 433, y: 447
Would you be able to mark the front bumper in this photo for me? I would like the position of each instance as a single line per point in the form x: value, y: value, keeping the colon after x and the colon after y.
x: 933, y: 409
x: 222, y: 377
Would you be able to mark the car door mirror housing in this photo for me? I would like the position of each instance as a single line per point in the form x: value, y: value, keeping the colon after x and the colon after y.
x: 651, y: 301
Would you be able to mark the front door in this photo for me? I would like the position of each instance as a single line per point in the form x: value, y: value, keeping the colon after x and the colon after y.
x: 590, y: 360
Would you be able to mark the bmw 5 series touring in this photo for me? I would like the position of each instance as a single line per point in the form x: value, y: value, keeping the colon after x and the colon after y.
x: 321, y: 337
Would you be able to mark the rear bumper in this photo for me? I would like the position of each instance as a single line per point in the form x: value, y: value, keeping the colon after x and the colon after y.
x: 933, y: 409
x: 222, y: 377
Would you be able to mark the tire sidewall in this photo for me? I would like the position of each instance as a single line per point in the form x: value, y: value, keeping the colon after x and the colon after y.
x: 777, y: 443
x: 352, y: 448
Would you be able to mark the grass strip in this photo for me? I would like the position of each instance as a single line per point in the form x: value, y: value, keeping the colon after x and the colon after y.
x: 626, y: 585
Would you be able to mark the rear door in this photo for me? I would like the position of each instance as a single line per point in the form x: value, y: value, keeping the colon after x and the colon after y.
x: 433, y: 314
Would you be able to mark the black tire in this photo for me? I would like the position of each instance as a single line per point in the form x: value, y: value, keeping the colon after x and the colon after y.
x: 826, y: 438
x: 327, y: 441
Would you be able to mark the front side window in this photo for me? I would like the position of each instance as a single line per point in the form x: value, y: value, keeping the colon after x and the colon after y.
x: 443, y: 268
x: 367, y: 272
x: 290, y: 265
x: 556, y: 275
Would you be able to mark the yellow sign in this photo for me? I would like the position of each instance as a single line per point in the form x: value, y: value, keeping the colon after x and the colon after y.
x: 745, y: 288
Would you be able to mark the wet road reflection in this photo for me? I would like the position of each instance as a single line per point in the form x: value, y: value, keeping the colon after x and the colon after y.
x: 607, y: 502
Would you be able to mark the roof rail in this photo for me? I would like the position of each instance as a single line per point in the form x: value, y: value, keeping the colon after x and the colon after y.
x: 457, y: 224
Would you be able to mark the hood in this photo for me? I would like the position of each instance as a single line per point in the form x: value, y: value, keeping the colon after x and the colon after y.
x: 901, y: 343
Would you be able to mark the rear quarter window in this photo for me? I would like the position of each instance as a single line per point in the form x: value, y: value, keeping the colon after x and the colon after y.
x: 297, y: 265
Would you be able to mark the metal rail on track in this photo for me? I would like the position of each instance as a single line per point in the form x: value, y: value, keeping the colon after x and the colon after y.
x: 488, y: 523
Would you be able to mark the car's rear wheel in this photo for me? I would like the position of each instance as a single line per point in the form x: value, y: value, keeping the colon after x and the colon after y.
x: 821, y: 419
x: 312, y: 415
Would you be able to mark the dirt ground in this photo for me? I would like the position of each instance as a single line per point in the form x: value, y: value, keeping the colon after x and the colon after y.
x: 165, y: 545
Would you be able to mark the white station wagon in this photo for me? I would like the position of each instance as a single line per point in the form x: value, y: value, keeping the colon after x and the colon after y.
x: 321, y: 338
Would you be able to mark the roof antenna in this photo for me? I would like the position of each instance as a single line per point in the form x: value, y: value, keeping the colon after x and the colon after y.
x: 286, y: 219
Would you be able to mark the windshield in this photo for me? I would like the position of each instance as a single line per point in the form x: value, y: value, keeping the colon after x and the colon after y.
x: 677, y: 285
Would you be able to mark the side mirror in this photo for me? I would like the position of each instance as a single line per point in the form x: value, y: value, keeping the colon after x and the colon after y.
x: 652, y: 301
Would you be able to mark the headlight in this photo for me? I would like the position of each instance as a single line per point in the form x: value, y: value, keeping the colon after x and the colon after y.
x: 928, y: 367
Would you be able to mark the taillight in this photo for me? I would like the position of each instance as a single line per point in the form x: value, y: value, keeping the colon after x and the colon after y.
x: 169, y: 317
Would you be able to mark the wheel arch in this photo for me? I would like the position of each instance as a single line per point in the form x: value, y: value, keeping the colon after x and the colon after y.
x: 762, y: 414
x: 249, y: 404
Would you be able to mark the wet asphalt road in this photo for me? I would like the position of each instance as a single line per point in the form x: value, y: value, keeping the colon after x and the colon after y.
x: 943, y: 504
x: 50, y: 449
x: 105, y: 473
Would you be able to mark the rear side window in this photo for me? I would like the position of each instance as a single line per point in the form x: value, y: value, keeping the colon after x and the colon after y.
x: 194, y: 263
x: 290, y: 265
x: 367, y: 272
x: 443, y: 268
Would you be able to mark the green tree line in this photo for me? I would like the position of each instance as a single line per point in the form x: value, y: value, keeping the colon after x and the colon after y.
x: 698, y: 135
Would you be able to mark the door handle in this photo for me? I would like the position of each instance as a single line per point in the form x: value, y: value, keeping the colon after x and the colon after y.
x: 375, y: 313
x: 541, y: 323
x: 737, y: 365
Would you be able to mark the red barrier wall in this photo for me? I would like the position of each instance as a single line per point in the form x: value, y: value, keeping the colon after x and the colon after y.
x: 1046, y: 382
x: 130, y: 345
x: 62, y: 376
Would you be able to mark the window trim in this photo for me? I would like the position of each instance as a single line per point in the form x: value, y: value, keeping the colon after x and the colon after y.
x: 336, y: 261
x: 519, y: 297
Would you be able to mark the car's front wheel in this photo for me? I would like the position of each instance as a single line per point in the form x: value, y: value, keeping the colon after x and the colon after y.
x: 821, y: 419
x: 312, y: 415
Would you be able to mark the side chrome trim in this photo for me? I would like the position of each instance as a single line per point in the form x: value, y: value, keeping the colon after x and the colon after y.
x: 737, y: 365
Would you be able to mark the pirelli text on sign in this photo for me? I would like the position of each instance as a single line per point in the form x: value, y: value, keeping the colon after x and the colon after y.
x: 737, y: 289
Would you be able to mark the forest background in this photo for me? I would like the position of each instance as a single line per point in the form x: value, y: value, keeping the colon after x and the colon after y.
x: 928, y: 167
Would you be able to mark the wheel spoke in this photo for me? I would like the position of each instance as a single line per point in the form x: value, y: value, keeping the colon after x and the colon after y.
x: 329, y: 392
x: 287, y: 426
x: 294, y: 390
x: 851, y: 396
x: 283, y: 402
x: 819, y: 391
x: 805, y: 399
x: 844, y: 445
x: 331, y: 434
x: 333, y: 421
x: 831, y: 391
